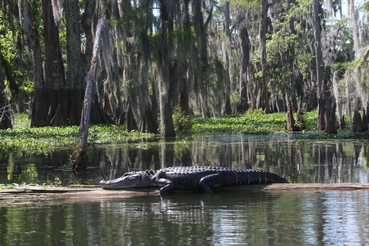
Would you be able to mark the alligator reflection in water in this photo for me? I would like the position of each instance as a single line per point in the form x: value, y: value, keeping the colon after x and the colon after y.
x: 205, y: 209
x: 335, y: 161
x: 237, y: 218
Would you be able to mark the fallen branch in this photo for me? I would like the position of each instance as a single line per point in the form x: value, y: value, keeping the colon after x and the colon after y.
x: 83, y: 152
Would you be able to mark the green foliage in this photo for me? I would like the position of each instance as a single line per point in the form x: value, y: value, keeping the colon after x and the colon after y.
x: 49, y: 183
x: 181, y: 120
x: 8, y: 47
x: 7, y: 186
x: 235, y: 99
x: 310, y: 120
x: 258, y: 123
x: 14, y: 58
x: 300, y: 124
x: 43, y: 140
x: 346, y: 65
x: 252, y: 122
x: 243, y: 3
x: 56, y: 182
x: 23, y: 139
x: 21, y: 121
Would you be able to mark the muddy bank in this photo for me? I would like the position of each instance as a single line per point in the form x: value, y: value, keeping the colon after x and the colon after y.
x: 27, y: 193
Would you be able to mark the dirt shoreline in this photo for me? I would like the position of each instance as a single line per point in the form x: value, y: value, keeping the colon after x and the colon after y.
x: 30, y: 192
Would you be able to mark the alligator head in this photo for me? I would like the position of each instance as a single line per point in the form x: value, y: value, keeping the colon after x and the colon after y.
x: 130, y: 180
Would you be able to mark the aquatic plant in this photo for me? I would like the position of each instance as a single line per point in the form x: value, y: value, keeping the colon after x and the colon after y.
x: 252, y: 122
x: 43, y: 140
x: 181, y: 120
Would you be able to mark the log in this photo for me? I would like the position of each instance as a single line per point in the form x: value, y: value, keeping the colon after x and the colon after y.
x: 82, y: 151
x: 38, y: 193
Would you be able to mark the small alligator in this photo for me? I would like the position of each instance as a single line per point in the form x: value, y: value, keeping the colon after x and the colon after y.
x: 192, y: 177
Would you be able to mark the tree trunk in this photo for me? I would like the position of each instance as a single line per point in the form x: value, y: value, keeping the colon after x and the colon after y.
x: 137, y: 52
x: 74, y: 83
x: 354, y: 21
x: 86, y: 21
x: 263, y: 30
x: 40, y: 102
x: 82, y: 153
x: 149, y: 120
x: 201, y: 56
x: 311, y: 98
x: 226, y: 48
x: 129, y: 62
x: 245, y: 57
x: 359, y: 124
x: 5, y: 120
x: 319, y: 63
x: 51, y: 94
x: 58, y: 101
x: 356, y: 122
x: 330, y: 114
x: 321, y: 113
x: 183, y: 91
x: 364, y: 122
x: 291, y: 57
x: 183, y: 102
x: 290, y: 124
x: 166, y: 121
x: 338, y: 95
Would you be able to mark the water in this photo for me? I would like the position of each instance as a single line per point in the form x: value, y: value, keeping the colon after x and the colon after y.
x: 299, y: 161
x: 225, y: 218
x: 232, y: 218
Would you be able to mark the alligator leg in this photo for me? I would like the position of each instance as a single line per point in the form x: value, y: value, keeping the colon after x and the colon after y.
x: 209, y: 181
x: 168, y: 185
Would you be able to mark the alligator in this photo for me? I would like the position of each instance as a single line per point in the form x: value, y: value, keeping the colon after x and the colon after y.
x: 191, y: 177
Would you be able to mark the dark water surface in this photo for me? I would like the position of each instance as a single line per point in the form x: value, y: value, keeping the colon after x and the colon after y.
x: 232, y: 218
x: 299, y: 161
x: 225, y: 218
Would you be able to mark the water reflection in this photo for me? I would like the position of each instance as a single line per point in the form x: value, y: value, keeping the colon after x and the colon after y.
x: 256, y: 218
x: 303, y: 161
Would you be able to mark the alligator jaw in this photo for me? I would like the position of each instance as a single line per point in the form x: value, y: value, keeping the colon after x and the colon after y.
x: 124, y: 182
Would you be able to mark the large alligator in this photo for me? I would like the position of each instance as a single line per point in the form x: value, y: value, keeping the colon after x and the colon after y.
x: 192, y: 177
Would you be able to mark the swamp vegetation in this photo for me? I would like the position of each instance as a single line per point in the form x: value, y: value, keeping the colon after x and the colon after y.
x: 256, y: 140
x: 43, y: 140
x: 180, y: 68
x: 199, y: 57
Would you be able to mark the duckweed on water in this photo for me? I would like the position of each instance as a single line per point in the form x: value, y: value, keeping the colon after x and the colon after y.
x: 252, y: 122
x: 43, y: 140
x: 258, y: 123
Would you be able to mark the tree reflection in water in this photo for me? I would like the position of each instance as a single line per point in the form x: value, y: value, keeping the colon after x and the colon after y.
x: 302, y: 161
